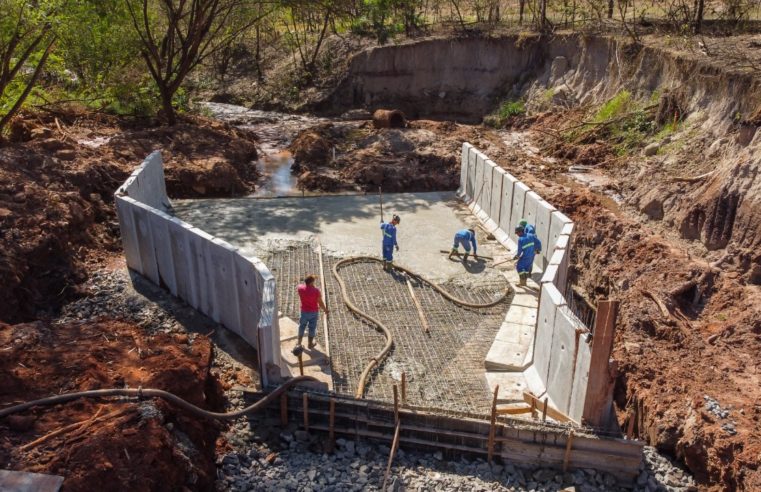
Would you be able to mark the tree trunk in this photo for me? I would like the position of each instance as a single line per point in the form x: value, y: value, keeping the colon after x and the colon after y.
x: 699, y: 16
x: 543, y: 13
x: 610, y: 9
x: 166, y: 104
x: 521, y: 10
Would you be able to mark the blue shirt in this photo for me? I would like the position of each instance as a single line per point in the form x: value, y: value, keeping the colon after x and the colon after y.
x: 389, y: 234
x: 467, y: 236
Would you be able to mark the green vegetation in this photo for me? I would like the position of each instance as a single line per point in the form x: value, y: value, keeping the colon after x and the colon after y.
x: 505, y: 111
x: 629, y: 124
x: 136, y: 57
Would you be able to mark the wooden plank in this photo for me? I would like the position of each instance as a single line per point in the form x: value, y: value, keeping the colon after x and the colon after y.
x: 599, y: 386
x: 332, y: 424
x: 567, y: 456
x: 284, y: 409
x: 419, y: 307
x: 552, y: 412
x: 325, y: 299
x: 305, y: 399
x: 514, y: 410
x: 490, y: 445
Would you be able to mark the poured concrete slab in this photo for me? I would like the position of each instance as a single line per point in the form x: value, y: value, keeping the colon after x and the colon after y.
x: 314, y: 360
x: 347, y: 225
x: 20, y: 481
x: 511, y: 385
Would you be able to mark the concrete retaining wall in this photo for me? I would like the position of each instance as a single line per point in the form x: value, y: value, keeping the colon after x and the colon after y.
x: 206, y: 272
x: 560, y: 355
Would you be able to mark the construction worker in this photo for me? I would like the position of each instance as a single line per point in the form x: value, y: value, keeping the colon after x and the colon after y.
x: 466, y: 238
x: 530, y: 229
x: 389, y: 241
x: 528, y: 244
x: 311, y: 303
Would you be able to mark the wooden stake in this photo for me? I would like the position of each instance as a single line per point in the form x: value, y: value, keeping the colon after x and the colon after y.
x: 404, y: 388
x: 284, y: 409
x: 492, y: 428
x: 419, y: 306
x: 305, y: 399
x: 551, y: 412
x: 301, y: 364
x: 332, y: 424
x: 599, y: 388
x: 396, y: 405
x: 325, y: 300
x: 544, y: 410
x: 567, y: 456
x: 394, y: 446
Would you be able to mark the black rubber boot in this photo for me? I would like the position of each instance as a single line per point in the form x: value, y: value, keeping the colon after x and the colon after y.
x: 311, y: 342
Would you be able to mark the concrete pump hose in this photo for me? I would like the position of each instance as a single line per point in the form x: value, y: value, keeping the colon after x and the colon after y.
x: 156, y: 393
x: 389, y: 341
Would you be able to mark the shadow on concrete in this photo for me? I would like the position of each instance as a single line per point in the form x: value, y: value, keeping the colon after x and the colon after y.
x: 195, y: 322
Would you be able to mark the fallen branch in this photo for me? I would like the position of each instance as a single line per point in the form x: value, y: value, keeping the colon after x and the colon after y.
x: 664, y: 310
x: 693, y: 179
x: 83, y: 425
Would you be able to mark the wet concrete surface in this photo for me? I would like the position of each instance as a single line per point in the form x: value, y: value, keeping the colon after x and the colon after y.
x: 346, y: 226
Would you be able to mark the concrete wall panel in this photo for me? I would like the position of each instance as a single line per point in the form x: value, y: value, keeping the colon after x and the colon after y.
x: 562, y: 364
x: 225, y: 296
x: 508, y: 183
x: 472, y: 169
x: 203, y: 299
x: 464, y: 169
x: 183, y: 260
x: 249, y: 284
x: 580, y: 378
x: 543, y: 216
x: 484, y: 202
x: 129, y: 236
x: 495, y: 207
x: 516, y: 214
x: 143, y: 234
x: 557, y: 221
x: 164, y: 257
x: 550, y: 299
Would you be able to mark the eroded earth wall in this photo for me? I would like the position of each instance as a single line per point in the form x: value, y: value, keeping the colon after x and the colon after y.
x: 466, y: 79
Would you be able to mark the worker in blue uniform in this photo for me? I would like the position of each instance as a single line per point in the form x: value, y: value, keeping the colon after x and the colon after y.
x: 389, y: 241
x: 530, y: 229
x: 465, y: 238
x: 528, y: 245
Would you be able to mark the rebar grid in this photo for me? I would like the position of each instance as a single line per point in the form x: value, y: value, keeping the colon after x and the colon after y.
x: 444, y: 368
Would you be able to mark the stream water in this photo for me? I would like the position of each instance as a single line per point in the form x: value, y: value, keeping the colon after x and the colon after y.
x: 275, y: 131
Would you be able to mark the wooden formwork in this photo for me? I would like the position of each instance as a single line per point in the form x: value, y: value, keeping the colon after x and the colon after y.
x: 514, y: 441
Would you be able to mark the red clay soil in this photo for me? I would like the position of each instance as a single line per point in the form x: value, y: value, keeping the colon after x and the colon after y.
x: 422, y: 157
x: 58, y: 173
x: 138, y: 446
x: 689, y: 333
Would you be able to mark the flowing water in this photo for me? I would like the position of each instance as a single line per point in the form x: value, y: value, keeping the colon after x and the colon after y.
x: 275, y: 131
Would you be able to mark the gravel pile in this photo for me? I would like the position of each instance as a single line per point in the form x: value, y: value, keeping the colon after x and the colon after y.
x: 268, y: 458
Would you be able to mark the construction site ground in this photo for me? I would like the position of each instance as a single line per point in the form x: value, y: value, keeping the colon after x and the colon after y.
x: 688, y: 380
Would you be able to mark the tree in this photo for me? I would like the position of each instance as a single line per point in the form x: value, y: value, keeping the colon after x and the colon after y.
x: 26, y: 40
x: 306, y: 20
x: 177, y: 35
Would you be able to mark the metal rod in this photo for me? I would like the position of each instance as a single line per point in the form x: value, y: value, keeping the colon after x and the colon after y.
x: 404, y: 388
x: 396, y: 405
x: 301, y: 364
x: 394, y: 446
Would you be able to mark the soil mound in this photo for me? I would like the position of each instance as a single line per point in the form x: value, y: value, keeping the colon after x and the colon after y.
x: 57, y: 179
x: 140, y: 446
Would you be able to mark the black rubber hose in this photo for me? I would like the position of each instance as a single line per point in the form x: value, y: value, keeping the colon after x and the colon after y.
x: 389, y: 341
x: 156, y: 393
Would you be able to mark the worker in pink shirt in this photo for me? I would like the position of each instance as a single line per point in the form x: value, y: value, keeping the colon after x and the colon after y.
x: 311, y: 303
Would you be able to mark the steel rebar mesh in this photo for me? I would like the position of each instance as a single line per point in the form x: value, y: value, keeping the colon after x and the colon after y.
x: 444, y: 369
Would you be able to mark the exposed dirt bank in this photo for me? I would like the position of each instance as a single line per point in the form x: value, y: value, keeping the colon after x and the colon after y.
x: 422, y: 157
x: 57, y: 179
x: 140, y: 446
x: 687, y: 344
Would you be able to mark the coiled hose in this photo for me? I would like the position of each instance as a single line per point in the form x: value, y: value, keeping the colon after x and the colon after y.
x: 383, y: 328
x: 156, y: 393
